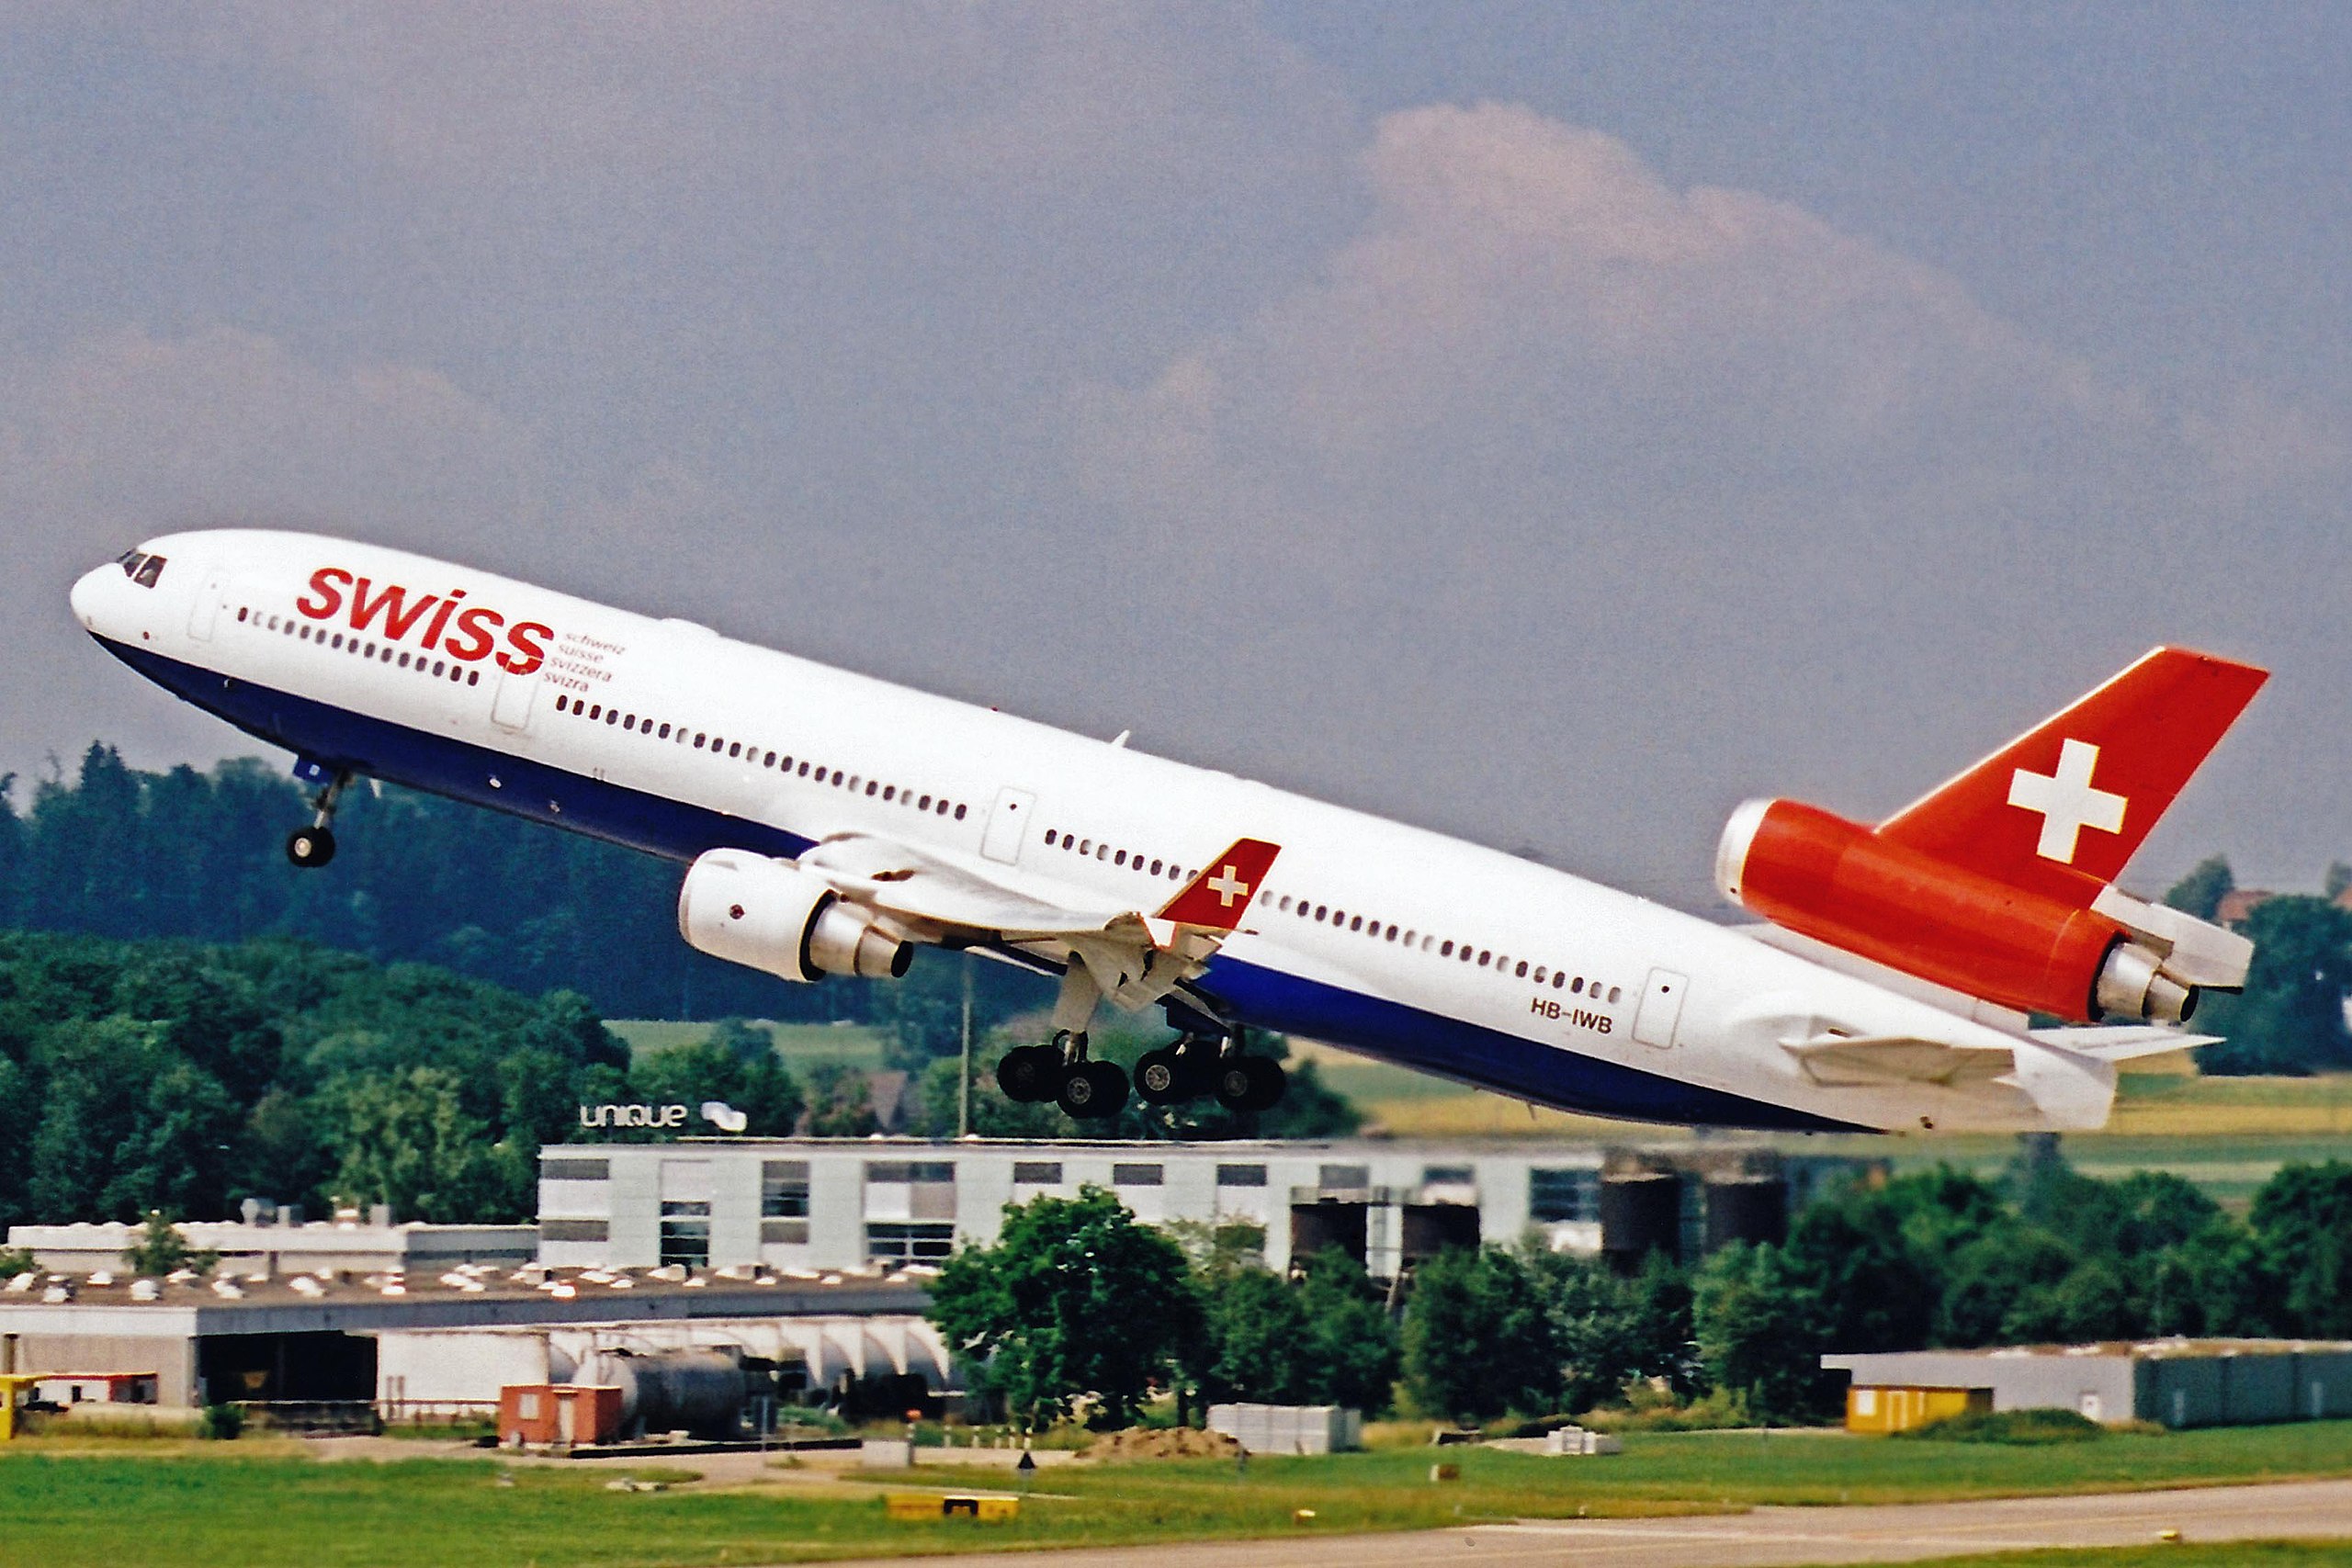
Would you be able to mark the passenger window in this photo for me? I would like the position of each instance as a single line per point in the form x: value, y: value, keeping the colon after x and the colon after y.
x: 1356, y: 924
x: 1521, y: 971
x: 1051, y: 840
x: 1614, y: 993
x: 241, y: 613
x: 1447, y: 951
x: 1576, y: 987
x: 1484, y: 955
x: 871, y: 786
x: 1086, y: 846
x: 925, y: 804
x: 337, y: 643
x: 1539, y: 973
x: 561, y: 703
x: 629, y: 721
x: 597, y: 712
x: 890, y: 792
x: 837, y: 778
x: 1102, y: 851
x: 473, y: 677
x: 1283, y: 907
x: 959, y: 814
x: 612, y: 715
x: 735, y: 748
x: 1392, y: 933
x: 1120, y: 860
x: 1155, y: 868
x: 1559, y: 978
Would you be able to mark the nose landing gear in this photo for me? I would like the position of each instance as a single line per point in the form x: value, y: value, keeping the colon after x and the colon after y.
x: 314, y: 846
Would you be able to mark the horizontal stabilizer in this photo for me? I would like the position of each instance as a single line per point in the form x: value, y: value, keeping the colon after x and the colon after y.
x: 2123, y: 1042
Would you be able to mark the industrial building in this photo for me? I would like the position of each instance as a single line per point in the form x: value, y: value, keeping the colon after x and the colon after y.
x: 275, y: 1241
x: 416, y: 1344
x: 2177, y: 1383
x: 850, y: 1203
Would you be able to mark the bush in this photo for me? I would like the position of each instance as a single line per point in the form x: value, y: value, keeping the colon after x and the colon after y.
x: 223, y: 1422
x: 2023, y: 1429
x: 1649, y: 1409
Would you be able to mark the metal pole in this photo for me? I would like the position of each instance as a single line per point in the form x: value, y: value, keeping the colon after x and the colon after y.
x: 964, y: 1078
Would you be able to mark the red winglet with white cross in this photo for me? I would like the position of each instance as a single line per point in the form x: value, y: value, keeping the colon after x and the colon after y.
x: 1216, y: 898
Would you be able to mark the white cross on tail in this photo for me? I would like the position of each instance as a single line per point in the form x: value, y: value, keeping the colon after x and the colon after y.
x: 1227, y: 885
x: 2068, y: 802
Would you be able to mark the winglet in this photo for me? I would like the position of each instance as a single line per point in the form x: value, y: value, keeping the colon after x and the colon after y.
x: 1217, y: 898
x: 2061, y: 807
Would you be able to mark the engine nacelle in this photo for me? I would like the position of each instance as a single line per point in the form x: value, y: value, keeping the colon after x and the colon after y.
x: 1838, y: 882
x: 770, y: 915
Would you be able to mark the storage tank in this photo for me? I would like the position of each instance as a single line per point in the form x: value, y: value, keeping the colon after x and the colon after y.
x: 1641, y: 1212
x: 701, y: 1392
x: 1746, y: 1208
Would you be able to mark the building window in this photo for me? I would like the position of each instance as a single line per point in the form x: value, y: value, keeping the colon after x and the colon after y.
x: 783, y: 1233
x: 908, y: 1242
x: 1554, y: 1196
x: 784, y: 1189
x: 1343, y: 1177
x: 1241, y: 1175
x: 1448, y: 1176
x: 1037, y: 1173
x: 685, y: 1233
x: 575, y: 1170
x: 575, y: 1229
x: 1138, y: 1175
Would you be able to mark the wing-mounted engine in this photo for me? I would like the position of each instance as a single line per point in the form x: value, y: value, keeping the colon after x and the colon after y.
x: 2000, y: 883
x: 773, y: 916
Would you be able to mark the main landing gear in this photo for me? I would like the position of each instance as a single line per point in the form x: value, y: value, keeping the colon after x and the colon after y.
x: 1192, y: 1067
x: 314, y: 846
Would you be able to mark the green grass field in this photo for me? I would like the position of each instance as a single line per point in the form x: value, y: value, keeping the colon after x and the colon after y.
x: 800, y: 1045
x: 2168, y: 1554
x: 125, y: 1505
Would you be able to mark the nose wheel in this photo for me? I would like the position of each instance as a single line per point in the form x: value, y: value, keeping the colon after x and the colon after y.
x: 314, y: 846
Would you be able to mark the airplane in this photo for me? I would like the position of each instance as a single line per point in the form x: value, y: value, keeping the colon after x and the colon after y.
x: 1904, y: 977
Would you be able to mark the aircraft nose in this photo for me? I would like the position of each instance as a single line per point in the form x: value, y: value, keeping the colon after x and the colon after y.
x: 89, y: 594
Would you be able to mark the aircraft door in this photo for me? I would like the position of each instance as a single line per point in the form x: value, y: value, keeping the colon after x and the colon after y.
x: 1661, y: 1009
x: 1007, y: 820
x: 510, y: 709
x: 206, y: 608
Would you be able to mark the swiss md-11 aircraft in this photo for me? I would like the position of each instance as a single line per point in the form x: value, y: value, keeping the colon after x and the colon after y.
x: 830, y: 823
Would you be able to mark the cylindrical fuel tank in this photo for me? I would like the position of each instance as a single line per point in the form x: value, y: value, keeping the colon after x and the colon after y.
x: 1641, y: 1213
x: 1746, y: 1208
x: 701, y: 1392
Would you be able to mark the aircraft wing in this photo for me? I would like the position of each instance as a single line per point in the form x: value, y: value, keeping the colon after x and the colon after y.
x: 1135, y: 956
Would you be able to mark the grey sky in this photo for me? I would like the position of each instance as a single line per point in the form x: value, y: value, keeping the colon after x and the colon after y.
x: 1552, y: 424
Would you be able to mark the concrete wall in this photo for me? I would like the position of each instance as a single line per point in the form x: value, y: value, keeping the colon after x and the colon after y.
x: 172, y: 1358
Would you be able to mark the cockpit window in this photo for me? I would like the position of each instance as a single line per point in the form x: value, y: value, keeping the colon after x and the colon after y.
x: 148, y: 571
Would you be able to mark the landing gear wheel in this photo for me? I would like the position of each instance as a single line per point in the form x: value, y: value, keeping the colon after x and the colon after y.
x: 1030, y: 1074
x: 1249, y: 1083
x: 310, y: 848
x: 1162, y: 1078
x: 1092, y: 1091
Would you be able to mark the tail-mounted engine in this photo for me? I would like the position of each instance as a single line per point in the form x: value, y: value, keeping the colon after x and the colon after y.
x: 773, y: 915
x: 1841, y: 883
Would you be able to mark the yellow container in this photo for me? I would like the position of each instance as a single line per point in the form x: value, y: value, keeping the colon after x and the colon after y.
x: 1882, y: 1409
x: 932, y: 1505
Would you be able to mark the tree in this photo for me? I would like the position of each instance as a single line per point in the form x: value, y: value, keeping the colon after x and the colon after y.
x: 2201, y: 891
x: 2291, y: 1016
x: 746, y: 1042
x: 1257, y: 1336
x: 1759, y: 1330
x: 1074, y: 1298
x: 1349, y: 1352
x: 1477, y: 1341
x: 841, y: 1102
x: 160, y: 1248
x: 2303, y: 1232
x: 407, y: 1141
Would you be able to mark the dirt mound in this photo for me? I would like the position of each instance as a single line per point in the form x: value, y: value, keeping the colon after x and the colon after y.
x: 1173, y: 1443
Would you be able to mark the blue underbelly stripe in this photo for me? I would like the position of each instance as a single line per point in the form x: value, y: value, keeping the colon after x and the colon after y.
x: 1259, y: 995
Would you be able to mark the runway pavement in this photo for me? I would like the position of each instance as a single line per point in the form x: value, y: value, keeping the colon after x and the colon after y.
x: 1765, y: 1537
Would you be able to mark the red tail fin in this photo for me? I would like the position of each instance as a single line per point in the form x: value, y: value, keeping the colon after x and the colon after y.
x: 1216, y: 898
x: 2061, y: 808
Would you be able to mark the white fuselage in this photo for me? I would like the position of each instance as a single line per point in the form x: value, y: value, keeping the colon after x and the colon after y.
x: 1374, y: 936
